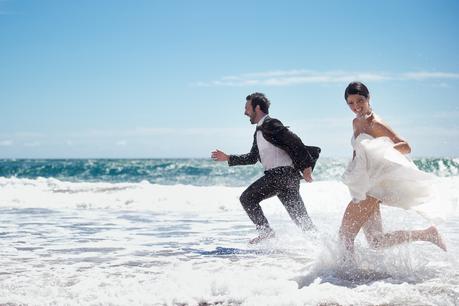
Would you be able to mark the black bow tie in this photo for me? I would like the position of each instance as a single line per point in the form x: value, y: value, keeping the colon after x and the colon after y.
x: 259, y: 128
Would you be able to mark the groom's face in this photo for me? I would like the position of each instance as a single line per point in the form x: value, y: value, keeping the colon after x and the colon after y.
x: 249, y: 112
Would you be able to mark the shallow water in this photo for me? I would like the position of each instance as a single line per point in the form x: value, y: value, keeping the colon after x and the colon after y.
x: 65, y: 243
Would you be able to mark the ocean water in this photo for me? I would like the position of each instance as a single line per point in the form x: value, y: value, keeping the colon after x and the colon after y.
x: 172, y: 232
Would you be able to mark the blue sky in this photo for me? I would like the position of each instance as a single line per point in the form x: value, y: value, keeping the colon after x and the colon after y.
x: 127, y: 79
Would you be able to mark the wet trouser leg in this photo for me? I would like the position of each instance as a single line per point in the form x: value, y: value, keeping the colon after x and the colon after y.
x: 283, y: 182
x: 293, y: 203
x: 261, y: 189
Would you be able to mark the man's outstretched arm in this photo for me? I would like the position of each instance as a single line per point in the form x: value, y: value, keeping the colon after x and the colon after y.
x: 218, y: 155
x: 235, y: 160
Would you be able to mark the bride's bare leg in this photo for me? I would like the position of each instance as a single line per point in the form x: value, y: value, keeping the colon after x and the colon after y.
x: 373, y: 228
x: 433, y: 236
x: 429, y: 234
x: 377, y: 239
x: 355, y: 216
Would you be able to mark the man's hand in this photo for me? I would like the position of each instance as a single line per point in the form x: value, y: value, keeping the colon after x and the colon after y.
x: 218, y: 155
x: 307, y: 174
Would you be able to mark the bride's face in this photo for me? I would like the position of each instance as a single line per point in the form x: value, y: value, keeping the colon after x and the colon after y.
x: 358, y: 104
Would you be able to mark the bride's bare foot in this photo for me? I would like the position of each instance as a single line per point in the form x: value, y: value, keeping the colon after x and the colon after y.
x: 434, y: 237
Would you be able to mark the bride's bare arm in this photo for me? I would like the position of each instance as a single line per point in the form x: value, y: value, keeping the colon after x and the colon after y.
x: 381, y: 129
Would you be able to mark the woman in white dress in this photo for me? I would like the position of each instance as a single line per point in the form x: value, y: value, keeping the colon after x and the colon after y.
x: 379, y: 173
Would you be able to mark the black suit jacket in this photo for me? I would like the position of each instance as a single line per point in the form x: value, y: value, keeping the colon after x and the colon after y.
x: 279, y: 135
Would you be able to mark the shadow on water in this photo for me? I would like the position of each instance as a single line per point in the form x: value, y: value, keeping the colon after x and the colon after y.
x: 219, y: 303
x: 86, y: 250
x: 27, y: 211
x: 222, y: 251
x: 352, y: 278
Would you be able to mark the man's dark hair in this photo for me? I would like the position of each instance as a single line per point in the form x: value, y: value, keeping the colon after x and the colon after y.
x: 356, y: 88
x: 257, y: 98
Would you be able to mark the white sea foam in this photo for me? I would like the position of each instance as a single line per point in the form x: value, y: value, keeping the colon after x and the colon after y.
x: 67, y: 243
x: 54, y: 194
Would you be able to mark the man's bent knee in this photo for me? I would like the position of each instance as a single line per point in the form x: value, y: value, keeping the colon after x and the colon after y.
x: 245, y: 199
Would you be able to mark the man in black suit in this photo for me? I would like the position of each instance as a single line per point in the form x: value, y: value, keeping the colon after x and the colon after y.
x: 284, y: 156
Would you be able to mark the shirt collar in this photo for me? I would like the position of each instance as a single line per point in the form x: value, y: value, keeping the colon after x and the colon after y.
x: 262, y: 120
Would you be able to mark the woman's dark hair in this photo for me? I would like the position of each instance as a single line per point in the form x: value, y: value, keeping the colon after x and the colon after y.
x: 260, y: 99
x: 356, y: 88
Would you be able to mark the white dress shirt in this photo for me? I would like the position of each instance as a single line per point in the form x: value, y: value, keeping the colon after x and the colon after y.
x: 270, y: 155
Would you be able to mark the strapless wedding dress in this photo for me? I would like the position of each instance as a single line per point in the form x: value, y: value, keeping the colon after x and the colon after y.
x: 380, y: 171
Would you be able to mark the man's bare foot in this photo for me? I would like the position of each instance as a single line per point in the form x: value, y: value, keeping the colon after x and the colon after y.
x: 434, y: 237
x: 266, y: 234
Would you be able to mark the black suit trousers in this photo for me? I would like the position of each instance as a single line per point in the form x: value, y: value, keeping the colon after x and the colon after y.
x: 283, y: 182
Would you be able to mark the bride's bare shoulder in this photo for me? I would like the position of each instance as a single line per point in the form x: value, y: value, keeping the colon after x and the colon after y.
x: 381, y: 128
